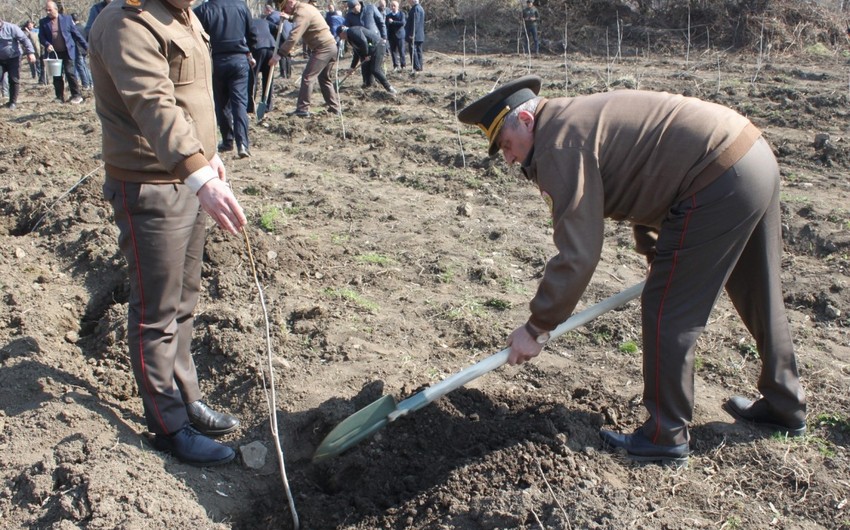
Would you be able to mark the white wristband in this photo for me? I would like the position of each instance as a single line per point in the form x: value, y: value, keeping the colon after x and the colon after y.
x: 199, y: 178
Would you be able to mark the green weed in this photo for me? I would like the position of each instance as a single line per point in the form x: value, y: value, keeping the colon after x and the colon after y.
x: 833, y: 420
x: 270, y: 218
x: 351, y: 296
x: 629, y: 346
x: 374, y: 259
x: 498, y: 304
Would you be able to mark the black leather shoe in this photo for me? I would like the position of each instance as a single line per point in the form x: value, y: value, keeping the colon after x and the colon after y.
x: 243, y: 152
x: 640, y: 449
x: 210, y: 422
x: 193, y: 448
x: 225, y: 147
x: 761, y: 413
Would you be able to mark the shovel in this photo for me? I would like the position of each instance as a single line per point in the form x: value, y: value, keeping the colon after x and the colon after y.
x: 263, y: 106
x: 373, y: 417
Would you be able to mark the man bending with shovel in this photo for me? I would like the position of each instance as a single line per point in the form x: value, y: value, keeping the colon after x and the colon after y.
x: 701, y: 188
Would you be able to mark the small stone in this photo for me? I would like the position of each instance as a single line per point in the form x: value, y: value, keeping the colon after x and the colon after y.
x: 465, y: 210
x: 19, y: 253
x: 253, y: 455
x: 832, y: 312
x: 72, y: 337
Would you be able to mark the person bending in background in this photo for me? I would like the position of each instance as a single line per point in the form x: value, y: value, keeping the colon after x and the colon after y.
x: 311, y: 28
x: 368, y: 49
x: 153, y: 95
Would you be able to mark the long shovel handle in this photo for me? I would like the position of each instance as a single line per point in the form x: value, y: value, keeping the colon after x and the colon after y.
x: 496, y: 360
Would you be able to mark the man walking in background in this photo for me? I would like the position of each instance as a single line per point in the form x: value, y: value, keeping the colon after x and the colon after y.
x: 82, y: 67
x: 12, y: 41
x: 415, y: 33
x: 152, y: 70
x: 228, y: 23
x: 59, y: 35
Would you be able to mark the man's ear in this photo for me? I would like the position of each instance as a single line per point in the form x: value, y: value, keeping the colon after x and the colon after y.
x: 526, y: 118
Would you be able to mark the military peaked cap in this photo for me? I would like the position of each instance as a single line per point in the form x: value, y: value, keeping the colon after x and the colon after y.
x: 489, y: 112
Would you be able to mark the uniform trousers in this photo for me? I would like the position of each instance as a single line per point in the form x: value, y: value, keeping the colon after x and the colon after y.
x: 374, y: 67
x: 12, y: 69
x: 397, y: 52
x: 320, y: 67
x: 261, y: 56
x: 161, y: 234
x: 727, y: 235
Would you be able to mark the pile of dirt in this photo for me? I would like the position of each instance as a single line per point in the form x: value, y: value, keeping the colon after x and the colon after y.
x: 392, y: 253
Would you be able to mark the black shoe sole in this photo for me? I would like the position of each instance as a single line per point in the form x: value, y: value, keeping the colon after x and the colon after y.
x: 791, y: 432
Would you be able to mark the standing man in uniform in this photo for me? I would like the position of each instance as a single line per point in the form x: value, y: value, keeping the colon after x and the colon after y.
x: 12, y: 41
x: 701, y: 188
x: 309, y: 25
x: 151, y: 66
x: 59, y: 35
x: 530, y: 17
x: 415, y: 32
x: 228, y: 23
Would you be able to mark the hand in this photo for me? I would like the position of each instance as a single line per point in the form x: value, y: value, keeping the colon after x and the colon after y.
x: 31, y: 58
x: 523, y: 346
x: 251, y: 61
x: 50, y: 47
x: 218, y: 201
x: 274, y: 60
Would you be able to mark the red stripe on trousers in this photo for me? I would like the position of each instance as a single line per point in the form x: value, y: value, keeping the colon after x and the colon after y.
x: 658, y: 324
x: 143, y: 366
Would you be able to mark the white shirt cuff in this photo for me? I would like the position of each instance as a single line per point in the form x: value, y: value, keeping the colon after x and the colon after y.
x: 199, y: 178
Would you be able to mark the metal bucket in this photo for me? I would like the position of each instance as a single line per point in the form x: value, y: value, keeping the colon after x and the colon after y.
x: 54, y: 66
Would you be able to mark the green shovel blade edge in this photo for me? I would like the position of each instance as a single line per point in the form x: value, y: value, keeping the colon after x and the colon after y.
x: 360, y: 425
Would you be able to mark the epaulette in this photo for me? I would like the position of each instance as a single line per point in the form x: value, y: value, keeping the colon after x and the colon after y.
x: 133, y: 5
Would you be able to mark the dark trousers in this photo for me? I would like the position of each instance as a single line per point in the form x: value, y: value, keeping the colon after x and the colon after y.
x: 415, y: 55
x: 262, y: 69
x: 727, y: 235
x: 397, y: 53
x: 374, y: 67
x: 230, y: 93
x: 12, y: 69
x: 70, y: 71
x: 161, y: 234
x: 532, y: 39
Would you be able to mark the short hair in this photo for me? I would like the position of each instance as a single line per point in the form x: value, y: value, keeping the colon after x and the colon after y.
x: 512, y: 117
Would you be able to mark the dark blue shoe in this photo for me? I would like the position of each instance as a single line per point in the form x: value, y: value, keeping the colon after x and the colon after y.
x: 640, y: 449
x: 761, y: 413
x: 193, y: 448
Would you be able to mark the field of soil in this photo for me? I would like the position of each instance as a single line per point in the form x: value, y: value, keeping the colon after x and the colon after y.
x: 393, y: 253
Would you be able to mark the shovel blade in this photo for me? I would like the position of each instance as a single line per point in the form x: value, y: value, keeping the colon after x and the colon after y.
x: 355, y: 428
x: 261, y: 110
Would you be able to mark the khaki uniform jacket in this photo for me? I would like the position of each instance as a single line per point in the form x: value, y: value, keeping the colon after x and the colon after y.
x: 625, y: 155
x: 153, y: 91
x: 309, y: 25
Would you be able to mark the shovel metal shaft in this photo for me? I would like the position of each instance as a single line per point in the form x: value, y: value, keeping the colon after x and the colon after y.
x: 496, y: 360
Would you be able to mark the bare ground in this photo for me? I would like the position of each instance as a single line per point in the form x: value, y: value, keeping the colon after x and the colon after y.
x: 392, y: 254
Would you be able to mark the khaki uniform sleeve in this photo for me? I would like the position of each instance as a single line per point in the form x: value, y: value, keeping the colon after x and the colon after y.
x: 570, y: 183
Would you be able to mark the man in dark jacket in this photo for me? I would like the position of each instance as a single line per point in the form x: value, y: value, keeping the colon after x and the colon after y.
x: 366, y: 15
x: 415, y: 31
x: 396, y: 21
x: 12, y: 40
x: 94, y: 11
x: 59, y: 36
x: 262, y: 51
x: 369, y: 49
x: 228, y: 23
